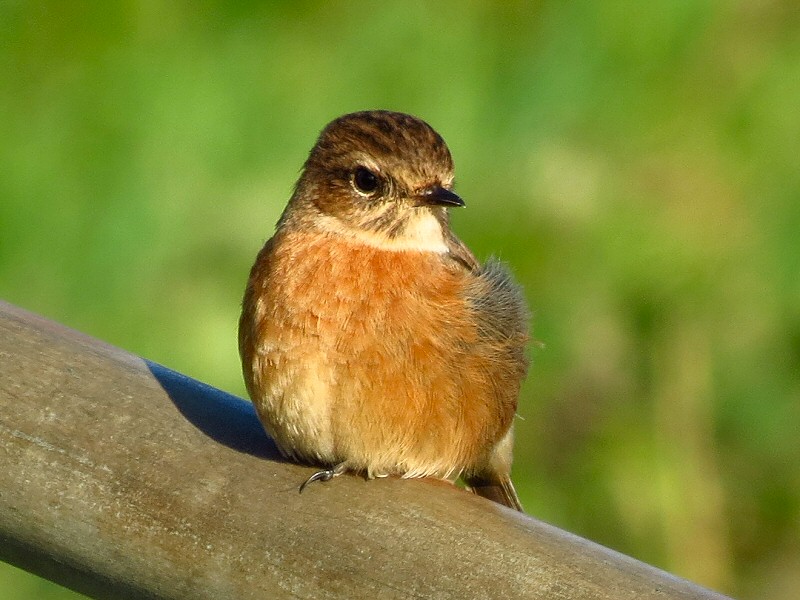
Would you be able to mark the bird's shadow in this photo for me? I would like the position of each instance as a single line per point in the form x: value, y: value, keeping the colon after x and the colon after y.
x: 223, y: 417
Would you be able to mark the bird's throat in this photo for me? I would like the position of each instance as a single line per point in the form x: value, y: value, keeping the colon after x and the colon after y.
x: 418, y: 230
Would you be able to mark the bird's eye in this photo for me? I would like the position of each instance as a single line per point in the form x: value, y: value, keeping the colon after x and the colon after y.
x: 365, y: 181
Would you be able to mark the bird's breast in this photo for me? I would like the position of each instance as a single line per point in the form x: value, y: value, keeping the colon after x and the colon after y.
x: 368, y: 356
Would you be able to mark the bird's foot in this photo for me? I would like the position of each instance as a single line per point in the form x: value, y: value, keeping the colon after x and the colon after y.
x: 324, y: 475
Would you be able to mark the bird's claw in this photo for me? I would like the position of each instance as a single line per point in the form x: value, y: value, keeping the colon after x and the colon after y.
x: 324, y: 475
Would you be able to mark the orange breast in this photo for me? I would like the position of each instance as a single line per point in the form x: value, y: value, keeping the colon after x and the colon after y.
x: 401, y: 382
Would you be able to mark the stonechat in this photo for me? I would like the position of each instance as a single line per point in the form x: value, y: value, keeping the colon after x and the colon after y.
x: 372, y: 340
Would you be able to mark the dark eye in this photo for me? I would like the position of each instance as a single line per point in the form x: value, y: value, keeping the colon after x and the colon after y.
x: 365, y: 181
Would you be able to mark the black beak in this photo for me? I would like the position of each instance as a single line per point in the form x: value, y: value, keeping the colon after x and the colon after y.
x: 439, y: 196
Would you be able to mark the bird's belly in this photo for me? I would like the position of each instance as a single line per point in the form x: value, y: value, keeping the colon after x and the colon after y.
x: 381, y: 411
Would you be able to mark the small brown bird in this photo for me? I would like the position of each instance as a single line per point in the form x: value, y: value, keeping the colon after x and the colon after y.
x: 372, y: 340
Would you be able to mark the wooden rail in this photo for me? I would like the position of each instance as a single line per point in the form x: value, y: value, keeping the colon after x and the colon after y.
x: 120, y: 478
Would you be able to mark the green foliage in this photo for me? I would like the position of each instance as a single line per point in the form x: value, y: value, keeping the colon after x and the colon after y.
x: 637, y: 164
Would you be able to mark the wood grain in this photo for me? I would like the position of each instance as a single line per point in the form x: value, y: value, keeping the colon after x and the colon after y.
x: 120, y: 478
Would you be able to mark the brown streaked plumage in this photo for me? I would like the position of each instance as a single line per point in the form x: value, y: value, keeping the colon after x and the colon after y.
x: 371, y: 339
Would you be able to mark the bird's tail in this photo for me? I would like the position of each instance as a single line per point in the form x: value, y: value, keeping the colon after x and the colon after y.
x: 499, y: 489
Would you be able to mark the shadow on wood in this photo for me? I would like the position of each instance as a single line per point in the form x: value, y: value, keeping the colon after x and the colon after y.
x: 224, y: 418
x: 122, y: 479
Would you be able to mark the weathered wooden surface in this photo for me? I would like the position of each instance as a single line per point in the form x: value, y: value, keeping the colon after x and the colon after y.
x: 122, y: 479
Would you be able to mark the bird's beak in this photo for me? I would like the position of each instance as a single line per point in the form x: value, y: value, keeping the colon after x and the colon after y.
x: 439, y: 196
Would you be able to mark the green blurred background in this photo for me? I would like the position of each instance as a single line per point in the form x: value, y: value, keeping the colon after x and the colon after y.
x: 638, y: 165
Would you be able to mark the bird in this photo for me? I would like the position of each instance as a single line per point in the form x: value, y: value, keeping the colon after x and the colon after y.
x: 372, y: 340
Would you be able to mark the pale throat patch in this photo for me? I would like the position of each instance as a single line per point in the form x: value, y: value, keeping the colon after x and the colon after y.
x: 422, y: 233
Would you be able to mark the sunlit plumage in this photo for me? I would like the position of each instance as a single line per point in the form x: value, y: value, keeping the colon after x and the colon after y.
x: 371, y: 338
